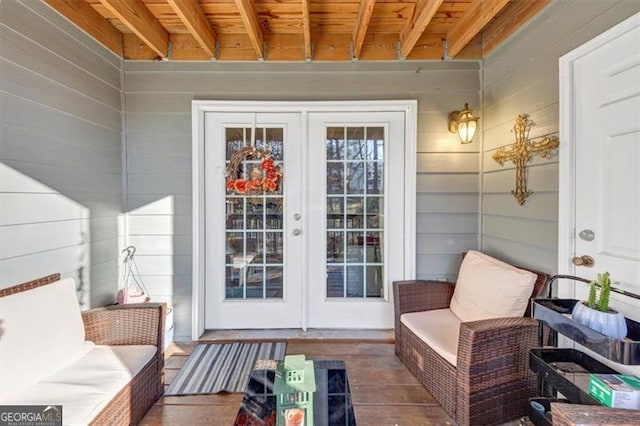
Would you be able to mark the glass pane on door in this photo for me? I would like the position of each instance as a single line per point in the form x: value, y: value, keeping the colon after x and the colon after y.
x: 354, y: 218
x: 254, y: 253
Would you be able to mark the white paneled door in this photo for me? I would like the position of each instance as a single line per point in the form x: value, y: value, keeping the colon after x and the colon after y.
x: 604, y: 130
x: 253, y: 240
x: 321, y: 248
x: 355, y: 203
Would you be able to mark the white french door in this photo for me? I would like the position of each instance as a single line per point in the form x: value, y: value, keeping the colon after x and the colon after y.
x: 253, y: 270
x: 321, y: 248
x: 355, y: 203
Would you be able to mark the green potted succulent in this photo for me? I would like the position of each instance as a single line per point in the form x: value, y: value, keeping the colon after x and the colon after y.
x: 595, y: 312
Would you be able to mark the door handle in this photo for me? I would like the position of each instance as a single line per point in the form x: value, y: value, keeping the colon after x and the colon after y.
x: 586, y: 261
x: 297, y: 232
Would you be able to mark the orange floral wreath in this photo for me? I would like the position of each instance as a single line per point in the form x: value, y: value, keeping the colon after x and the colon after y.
x: 264, y: 178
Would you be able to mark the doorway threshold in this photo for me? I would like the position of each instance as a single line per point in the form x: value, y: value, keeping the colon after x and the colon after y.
x: 295, y: 334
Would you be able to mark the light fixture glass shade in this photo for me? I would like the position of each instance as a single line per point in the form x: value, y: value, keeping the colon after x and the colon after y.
x: 464, y: 123
x: 466, y: 130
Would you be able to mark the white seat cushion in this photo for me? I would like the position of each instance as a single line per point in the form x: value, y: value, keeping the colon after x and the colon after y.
x: 488, y: 288
x: 85, y: 387
x: 439, y: 329
x: 42, y: 332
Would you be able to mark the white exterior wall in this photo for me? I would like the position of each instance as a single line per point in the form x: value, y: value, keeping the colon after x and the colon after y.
x: 158, y: 129
x: 60, y: 152
x: 521, y: 76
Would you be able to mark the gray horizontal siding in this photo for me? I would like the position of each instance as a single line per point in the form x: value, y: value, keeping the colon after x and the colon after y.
x: 521, y: 76
x: 158, y: 120
x: 299, y: 84
x: 61, y: 152
x: 38, y: 22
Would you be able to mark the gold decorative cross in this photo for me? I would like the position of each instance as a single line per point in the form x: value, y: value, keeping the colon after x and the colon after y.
x: 521, y: 152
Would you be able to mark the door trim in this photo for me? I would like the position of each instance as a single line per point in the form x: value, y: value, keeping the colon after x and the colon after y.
x: 198, y: 110
x: 567, y: 167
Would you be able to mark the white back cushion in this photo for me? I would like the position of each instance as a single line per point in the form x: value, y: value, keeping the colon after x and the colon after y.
x: 489, y: 288
x: 41, y: 333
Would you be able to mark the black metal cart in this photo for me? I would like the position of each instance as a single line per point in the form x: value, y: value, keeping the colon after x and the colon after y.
x: 566, y: 371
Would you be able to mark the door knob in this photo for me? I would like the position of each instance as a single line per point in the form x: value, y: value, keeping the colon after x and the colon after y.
x: 586, y: 261
x: 297, y: 232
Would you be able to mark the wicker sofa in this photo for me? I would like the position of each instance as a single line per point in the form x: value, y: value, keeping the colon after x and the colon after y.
x: 104, y: 366
x: 487, y: 381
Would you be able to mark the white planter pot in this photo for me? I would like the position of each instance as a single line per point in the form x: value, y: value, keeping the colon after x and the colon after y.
x: 612, y: 323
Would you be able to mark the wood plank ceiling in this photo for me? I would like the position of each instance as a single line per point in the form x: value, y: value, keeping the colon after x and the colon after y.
x: 299, y: 30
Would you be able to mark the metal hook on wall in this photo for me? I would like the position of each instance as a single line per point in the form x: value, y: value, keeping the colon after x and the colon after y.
x: 130, y: 251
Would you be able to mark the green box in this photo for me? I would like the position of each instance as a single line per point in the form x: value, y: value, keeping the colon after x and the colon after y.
x: 616, y: 390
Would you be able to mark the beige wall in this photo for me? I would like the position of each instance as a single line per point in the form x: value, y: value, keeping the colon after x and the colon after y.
x: 158, y: 126
x: 521, y: 76
x: 60, y: 153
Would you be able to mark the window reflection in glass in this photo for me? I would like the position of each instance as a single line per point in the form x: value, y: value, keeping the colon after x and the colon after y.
x: 335, y: 143
x: 254, y: 253
x: 355, y: 225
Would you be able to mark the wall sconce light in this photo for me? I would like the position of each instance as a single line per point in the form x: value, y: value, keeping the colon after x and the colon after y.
x: 464, y: 123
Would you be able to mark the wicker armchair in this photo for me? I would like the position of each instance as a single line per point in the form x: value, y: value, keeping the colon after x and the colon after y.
x: 134, y: 324
x: 491, y: 383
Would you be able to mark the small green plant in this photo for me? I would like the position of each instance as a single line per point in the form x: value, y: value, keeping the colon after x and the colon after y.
x: 591, y: 302
x: 604, y: 282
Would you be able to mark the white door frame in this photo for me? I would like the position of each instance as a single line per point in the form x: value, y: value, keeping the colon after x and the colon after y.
x: 198, y: 110
x: 566, y: 184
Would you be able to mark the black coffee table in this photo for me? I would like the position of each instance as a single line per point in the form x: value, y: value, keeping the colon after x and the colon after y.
x: 331, y: 401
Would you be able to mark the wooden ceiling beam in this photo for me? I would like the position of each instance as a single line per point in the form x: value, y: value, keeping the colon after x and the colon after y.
x: 514, y: 16
x: 193, y: 17
x: 135, y: 15
x: 362, y: 23
x: 472, y: 22
x: 306, y: 28
x: 416, y: 26
x: 251, y: 24
x: 86, y: 17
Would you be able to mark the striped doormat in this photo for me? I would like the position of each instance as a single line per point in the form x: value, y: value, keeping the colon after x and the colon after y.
x: 213, y: 368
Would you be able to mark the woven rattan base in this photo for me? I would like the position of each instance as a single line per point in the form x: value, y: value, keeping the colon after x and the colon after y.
x: 133, y: 324
x: 491, y: 381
